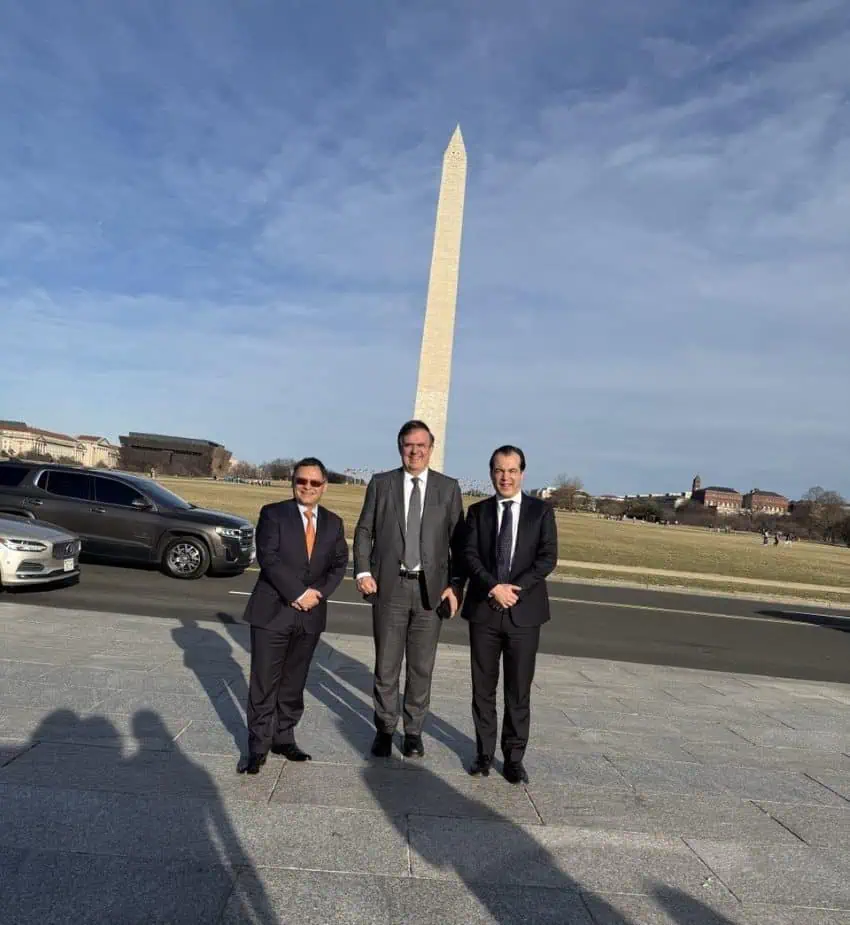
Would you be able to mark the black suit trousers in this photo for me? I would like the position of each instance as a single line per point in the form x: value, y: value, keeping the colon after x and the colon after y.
x: 280, y: 662
x: 494, y: 641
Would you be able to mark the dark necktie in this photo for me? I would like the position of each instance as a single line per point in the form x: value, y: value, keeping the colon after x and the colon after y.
x: 504, y: 543
x: 414, y: 524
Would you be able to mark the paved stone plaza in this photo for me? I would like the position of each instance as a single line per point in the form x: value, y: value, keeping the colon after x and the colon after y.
x: 657, y: 795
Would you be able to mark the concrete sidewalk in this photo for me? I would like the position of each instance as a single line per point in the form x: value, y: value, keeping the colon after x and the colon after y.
x: 657, y: 795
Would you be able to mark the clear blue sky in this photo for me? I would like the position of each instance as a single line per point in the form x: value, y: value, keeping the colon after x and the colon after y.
x: 216, y: 221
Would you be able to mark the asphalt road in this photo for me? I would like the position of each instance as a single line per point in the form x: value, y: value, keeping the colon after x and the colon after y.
x: 651, y: 627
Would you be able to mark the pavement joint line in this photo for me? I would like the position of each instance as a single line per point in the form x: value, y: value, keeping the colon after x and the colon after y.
x: 709, y: 868
x: 534, y: 806
x: 694, y: 613
x: 820, y: 783
x: 408, y: 845
x: 780, y: 822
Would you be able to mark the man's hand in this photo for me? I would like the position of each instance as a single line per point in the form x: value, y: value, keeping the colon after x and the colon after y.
x: 454, y: 603
x: 308, y: 600
x: 505, y: 595
x: 367, y: 585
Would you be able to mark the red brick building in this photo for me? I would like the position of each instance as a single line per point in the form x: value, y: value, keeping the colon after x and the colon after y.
x: 765, y: 502
x: 724, y: 500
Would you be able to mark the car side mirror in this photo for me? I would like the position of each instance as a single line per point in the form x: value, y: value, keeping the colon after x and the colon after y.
x: 140, y: 504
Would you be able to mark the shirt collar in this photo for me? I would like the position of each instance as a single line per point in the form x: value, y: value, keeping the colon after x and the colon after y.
x: 517, y: 499
x: 303, y: 510
x: 423, y: 476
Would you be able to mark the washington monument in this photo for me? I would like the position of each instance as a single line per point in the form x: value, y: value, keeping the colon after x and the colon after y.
x: 435, y: 358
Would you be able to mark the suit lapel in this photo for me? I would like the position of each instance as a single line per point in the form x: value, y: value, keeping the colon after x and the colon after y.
x: 523, y: 528
x: 431, y: 501
x: 489, y: 527
x: 299, y: 539
x: 398, y: 498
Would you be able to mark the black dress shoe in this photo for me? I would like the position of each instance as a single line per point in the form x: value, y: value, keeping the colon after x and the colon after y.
x: 291, y: 752
x: 413, y: 747
x: 251, y: 764
x: 382, y: 747
x: 481, y: 766
x: 515, y: 773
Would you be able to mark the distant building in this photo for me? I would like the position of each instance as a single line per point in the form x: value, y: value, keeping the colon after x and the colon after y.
x: 18, y: 439
x: 765, y: 502
x: 723, y: 500
x: 98, y: 451
x: 668, y: 499
x: 174, y: 455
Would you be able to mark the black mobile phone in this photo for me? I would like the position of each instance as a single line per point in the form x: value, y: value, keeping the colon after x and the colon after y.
x: 371, y: 598
x: 444, y: 609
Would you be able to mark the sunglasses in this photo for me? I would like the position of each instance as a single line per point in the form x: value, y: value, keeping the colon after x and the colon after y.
x: 313, y: 483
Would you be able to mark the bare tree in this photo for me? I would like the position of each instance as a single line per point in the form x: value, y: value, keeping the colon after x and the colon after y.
x: 822, y: 512
x: 569, y: 494
x: 279, y: 469
x: 244, y: 470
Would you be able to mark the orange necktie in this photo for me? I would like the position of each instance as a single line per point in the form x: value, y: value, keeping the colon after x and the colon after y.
x: 309, y: 533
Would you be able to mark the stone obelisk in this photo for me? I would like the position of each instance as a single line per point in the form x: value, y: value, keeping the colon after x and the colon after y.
x: 435, y: 358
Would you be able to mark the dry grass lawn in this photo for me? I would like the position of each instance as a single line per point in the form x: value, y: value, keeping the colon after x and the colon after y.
x: 587, y: 538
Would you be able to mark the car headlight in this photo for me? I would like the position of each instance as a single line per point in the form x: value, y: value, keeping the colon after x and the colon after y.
x: 233, y: 533
x: 22, y: 545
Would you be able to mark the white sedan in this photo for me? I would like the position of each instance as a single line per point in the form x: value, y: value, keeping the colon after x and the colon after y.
x: 35, y: 553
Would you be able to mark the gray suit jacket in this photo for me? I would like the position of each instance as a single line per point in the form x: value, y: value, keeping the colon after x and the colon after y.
x: 379, y: 535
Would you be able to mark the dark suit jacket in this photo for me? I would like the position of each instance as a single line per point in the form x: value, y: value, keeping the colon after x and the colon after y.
x: 379, y: 535
x: 535, y: 557
x: 286, y: 573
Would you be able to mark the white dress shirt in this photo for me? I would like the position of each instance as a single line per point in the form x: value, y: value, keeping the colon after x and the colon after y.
x: 517, y: 503
x: 303, y: 511
x: 408, y: 491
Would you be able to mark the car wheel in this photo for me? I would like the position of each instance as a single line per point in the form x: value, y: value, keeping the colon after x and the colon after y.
x: 185, y: 557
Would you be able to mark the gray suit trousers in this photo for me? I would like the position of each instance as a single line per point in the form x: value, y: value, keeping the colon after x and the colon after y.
x: 404, y: 629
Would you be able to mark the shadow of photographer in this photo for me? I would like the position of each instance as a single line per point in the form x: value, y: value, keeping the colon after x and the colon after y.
x: 510, y: 876
x: 97, y: 835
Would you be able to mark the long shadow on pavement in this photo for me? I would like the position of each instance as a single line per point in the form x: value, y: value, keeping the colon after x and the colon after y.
x: 210, y: 657
x: 492, y: 861
x: 482, y: 867
x: 90, y: 835
x: 840, y: 623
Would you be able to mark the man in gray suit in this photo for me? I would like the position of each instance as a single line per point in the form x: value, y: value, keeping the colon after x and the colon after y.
x: 408, y: 563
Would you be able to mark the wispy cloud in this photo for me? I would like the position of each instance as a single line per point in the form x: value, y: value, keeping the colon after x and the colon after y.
x: 217, y: 220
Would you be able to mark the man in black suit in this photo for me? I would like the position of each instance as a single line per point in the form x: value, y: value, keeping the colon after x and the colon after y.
x: 303, y: 555
x: 511, y: 546
x: 407, y: 563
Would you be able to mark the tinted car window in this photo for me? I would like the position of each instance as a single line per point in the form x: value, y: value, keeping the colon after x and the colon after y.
x: 108, y: 491
x: 69, y: 485
x: 12, y: 475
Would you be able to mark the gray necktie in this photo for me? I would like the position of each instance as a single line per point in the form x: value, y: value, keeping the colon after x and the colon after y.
x: 414, y: 523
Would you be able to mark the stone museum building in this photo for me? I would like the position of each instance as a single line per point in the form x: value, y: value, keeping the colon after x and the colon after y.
x: 174, y: 455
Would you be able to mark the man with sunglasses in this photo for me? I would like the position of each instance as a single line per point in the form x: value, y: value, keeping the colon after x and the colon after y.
x: 408, y: 563
x: 303, y: 555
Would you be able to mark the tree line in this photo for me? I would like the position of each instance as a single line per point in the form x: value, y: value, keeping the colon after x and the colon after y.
x: 276, y: 470
x: 821, y: 515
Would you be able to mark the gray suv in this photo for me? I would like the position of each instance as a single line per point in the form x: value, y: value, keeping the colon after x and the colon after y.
x: 126, y: 517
